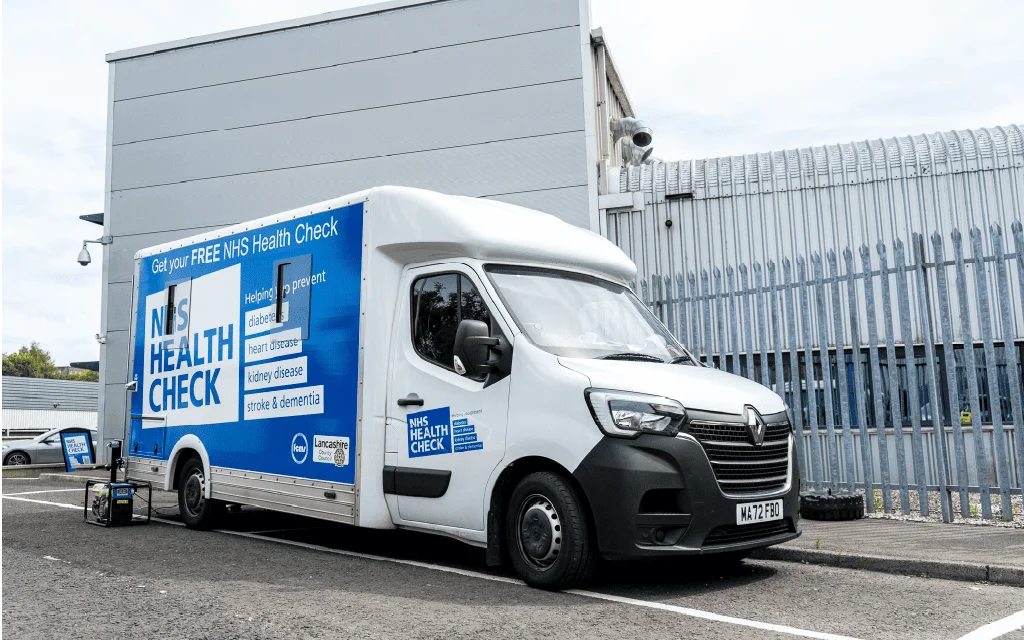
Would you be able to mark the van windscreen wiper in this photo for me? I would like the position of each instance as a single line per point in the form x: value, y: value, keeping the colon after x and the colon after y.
x: 642, y: 357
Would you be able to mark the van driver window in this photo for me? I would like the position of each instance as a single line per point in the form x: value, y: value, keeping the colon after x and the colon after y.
x: 439, y: 303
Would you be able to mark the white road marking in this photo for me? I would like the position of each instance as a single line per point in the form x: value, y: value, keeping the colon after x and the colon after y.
x: 266, y: 531
x: 54, y: 504
x: 26, y: 493
x: 368, y: 556
x: 696, y: 613
x: 163, y: 521
x: 997, y: 628
x: 693, y: 613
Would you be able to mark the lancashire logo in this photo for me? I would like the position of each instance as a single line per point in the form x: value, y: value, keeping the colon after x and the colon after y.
x: 331, y: 450
x: 755, y: 425
x: 300, y: 448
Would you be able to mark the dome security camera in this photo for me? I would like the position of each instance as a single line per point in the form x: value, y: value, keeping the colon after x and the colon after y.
x: 83, y: 256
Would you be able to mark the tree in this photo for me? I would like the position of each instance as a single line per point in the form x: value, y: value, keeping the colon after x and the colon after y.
x: 35, y: 362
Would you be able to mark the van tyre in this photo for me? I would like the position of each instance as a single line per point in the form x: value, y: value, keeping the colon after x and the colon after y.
x: 830, y: 506
x: 197, y: 511
x: 547, y: 533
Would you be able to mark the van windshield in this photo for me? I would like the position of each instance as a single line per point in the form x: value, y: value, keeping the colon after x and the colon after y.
x: 578, y: 316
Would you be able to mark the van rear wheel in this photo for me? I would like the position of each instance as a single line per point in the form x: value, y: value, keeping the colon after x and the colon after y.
x: 547, y: 533
x: 197, y: 511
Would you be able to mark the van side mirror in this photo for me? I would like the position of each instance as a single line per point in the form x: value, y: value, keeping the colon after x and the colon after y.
x: 473, y: 343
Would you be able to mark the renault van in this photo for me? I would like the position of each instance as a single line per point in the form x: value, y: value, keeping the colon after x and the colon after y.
x: 398, y: 358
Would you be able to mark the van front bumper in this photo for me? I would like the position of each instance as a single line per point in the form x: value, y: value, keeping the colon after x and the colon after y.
x: 657, y: 496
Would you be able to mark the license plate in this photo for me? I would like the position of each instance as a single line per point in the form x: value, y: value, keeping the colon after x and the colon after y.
x: 751, y: 512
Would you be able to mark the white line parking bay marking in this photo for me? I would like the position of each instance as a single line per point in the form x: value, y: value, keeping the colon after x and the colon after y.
x: 997, y: 628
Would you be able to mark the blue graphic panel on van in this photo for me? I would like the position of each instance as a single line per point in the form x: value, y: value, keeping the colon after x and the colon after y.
x: 430, y: 432
x: 251, y: 342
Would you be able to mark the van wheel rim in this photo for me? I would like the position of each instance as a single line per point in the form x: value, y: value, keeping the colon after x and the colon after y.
x: 195, y: 492
x: 539, y: 532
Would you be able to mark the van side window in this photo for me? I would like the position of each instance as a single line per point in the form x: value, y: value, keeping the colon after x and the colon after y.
x: 439, y: 303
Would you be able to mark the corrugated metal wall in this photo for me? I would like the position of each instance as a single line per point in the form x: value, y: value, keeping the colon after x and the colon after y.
x: 35, y: 405
x: 877, y: 286
x: 43, y: 394
x: 765, y: 207
x: 24, y: 422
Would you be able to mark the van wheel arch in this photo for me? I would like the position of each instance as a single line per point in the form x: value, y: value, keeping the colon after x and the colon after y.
x: 497, y: 551
x: 180, y: 459
x: 186, y: 447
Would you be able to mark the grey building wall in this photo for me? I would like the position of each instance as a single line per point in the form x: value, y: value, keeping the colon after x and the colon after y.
x: 483, y: 98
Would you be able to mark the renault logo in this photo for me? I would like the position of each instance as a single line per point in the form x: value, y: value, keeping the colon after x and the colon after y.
x: 755, y: 425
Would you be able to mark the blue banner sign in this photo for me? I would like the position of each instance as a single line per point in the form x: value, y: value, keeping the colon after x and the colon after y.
x: 77, y: 446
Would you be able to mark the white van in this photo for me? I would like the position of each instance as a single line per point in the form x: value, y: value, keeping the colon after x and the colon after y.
x: 402, y: 358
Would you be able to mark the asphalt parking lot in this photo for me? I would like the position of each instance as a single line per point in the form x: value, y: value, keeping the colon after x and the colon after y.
x: 272, y: 576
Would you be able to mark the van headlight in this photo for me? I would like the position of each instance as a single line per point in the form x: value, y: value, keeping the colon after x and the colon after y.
x: 625, y: 414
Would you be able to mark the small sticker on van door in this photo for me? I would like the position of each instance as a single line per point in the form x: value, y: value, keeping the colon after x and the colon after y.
x: 464, y: 434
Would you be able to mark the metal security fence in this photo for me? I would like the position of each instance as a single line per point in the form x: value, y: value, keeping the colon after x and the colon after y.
x: 900, y: 358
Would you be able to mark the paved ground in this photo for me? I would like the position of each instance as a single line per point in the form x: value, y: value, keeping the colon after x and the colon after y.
x: 66, y: 578
x: 919, y: 540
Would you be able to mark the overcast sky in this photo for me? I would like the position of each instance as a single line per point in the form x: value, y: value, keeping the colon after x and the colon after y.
x: 713, y: 78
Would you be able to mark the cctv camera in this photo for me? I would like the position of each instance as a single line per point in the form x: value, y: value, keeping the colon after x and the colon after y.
x: 83, y: 256
x: 636, y: 130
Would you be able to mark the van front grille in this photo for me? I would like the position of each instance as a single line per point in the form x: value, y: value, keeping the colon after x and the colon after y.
x: 739, y: 466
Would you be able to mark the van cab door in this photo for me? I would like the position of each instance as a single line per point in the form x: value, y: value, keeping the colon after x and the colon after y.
x: 449, y: 430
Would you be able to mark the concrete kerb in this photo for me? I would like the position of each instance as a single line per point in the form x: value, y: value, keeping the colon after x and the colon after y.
x: 74, y: 477
x: 965, y: 571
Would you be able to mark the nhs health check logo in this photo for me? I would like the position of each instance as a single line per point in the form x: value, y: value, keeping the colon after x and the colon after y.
x: 430, y: 432
x: 300, y: 448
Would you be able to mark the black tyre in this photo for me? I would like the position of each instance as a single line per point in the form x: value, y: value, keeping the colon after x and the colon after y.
x: 832, y: 506
x: 197, y: 511
x: 547, y: 533
x: 17, y: 458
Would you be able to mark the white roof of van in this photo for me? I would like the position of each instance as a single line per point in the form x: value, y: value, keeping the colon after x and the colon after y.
x: 416, y: 225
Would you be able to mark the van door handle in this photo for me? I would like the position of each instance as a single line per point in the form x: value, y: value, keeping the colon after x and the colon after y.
x: 411, y: 400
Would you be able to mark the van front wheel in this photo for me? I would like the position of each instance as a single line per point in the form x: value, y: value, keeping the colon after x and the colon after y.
x: 547, y: 533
